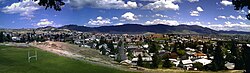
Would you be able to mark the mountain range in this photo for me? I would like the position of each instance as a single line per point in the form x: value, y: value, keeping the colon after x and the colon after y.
x: 159, y: 28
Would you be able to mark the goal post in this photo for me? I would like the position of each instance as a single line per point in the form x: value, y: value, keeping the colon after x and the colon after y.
x: 30, y: 56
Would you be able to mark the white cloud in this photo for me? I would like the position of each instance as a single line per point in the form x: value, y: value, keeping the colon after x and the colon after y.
x: 118, y: 24
x: 215, y: 19
x: 25, y: 8
x: 194, y: 23
x: 193, y: 0
x: 162, y: 5
x: 222, y: 17
x: 99, y: 18
x: 159, y: 21
x: 106, y: 4
x: 199, y: 9
x: 226, y: 2
x: 45, y: 22
x: 159, y: 15
x: 99, y: 21
x: 231, y: 17
x: 194, y: 13
x: 129, y: 16
x: 115, y: 18
x: 239, y: 17
x: 241, y: 26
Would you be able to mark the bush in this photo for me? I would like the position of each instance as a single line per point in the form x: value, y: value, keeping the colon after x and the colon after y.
x: 167, y: 63
x: 199, y: 66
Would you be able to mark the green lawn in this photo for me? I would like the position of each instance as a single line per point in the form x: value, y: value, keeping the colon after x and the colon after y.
x: 14, y: 60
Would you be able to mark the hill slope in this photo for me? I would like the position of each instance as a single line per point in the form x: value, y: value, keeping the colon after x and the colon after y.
x: 160, y: 28
x: 13, y: 60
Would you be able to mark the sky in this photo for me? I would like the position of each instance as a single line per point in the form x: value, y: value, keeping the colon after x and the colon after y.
x: 214, y: 14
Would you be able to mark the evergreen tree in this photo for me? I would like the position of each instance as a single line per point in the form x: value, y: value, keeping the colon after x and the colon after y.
x: 1, y: 37
x: 111, y: 47
x: 167, y: 63
x: 140, y: 61
x: 8, y: 38
x: 156, y: 60
x: 246, y: 54
x: 153, y: 47
x: 218, y: 60
x: 103, y: 50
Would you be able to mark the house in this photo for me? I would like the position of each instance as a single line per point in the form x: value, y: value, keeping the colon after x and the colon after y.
x: 175, y: 61
x: 200, y: 55
x: 203, y: 61
x: 136, y: 52
x: 188, y: 64
x: 16, y: 38
x: 144, y: 59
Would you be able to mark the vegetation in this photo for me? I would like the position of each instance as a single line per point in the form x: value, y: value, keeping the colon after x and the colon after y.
x: 167, y: 63
x: 240, y: 4
x: 140, y: 61
x: 14, y: 60
x: 198, y: 65
x: 56, y: 4
x: 156, y: 60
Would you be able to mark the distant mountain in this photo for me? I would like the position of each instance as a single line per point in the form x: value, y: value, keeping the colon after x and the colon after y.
x: 160, y: 28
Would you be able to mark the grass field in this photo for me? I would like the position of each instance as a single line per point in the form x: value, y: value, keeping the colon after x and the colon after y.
x: 14, y: 60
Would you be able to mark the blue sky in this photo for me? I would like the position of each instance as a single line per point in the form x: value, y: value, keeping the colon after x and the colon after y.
x: 214, y: 14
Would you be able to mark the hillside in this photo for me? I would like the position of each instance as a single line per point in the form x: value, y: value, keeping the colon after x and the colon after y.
x: 160, y: 28
x: 13, y: 60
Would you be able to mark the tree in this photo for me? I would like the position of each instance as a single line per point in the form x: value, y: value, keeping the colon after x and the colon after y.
x: 1, y: 37
x: 111, y: 47
x: 181, y: 52
x: 139, y: 62
x: 153, y: 47
x: 218, y: 61
x: 56, y: 4
x: 246, y: 54
x: 167, y: 63
x: 156, y: 60
x: 240, y: 4
x: 130, y: 55
x: 198, y: 65
x: 237, y: 56
x: 103, y: 50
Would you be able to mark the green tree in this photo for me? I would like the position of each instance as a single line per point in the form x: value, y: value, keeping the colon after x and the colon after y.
x: 246, y: 54
x: 55, y: 4
x: 167, y: 63
x: 218, y: 61
x: 199, y: 66
x: 103, y: 50
x: 153, y: 47
x: 181, y: 52
x: 111, y: 47
x: 140, y: 61
x: 156, y: 60
x: 130, y: 55
x: 1, y: 37
x: 240, y: 4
